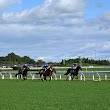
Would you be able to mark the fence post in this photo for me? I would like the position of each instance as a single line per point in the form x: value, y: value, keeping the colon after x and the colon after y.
x: 33, y: 77
x: 99, y: 76
x: 51, y: 78
x: 3, y: 77
x: 17, y: 77
x: 10, y: 76
x: 55, y: 77
x: 105, y: 77
x: 31, y: 74
x: 82, y: 76
x: 69, y: 78
x: 60, y: 76
x: 93, y: 77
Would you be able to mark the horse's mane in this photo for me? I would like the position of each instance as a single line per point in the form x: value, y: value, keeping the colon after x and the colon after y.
x: 78, y: 68
x: 53, y: 70
x: 50, y: 70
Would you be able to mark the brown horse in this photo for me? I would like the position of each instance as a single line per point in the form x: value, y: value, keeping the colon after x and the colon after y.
x: 48, y: 72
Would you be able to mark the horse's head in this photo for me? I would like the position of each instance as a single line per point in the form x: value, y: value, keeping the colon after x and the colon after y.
x: 78, y: 68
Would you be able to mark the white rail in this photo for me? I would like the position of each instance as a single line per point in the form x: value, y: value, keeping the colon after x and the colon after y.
x: 93, y: 75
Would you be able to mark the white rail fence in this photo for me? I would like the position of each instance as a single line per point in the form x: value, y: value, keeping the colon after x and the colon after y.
x: 83, y: 75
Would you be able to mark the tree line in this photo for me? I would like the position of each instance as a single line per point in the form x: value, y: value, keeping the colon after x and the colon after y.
x: 86, y: 62
x: 13, y: 59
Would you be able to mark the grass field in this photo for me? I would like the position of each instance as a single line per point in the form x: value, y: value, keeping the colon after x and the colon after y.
x: 54, y: 95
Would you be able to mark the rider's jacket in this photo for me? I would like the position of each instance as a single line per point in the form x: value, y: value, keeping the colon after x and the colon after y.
x: 73, y: 67
x: 45, y: 66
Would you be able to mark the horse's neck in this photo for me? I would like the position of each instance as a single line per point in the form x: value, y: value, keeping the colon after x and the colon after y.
x: 53, y: 70
x: 47, y: 70
x: 78, y: 68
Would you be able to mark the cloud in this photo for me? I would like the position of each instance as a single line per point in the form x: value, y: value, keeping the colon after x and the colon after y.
x: 99, y: 5
x: 54, y: 31
x: 106, y: 16
x: 5, y: 3
x: 51, y: 10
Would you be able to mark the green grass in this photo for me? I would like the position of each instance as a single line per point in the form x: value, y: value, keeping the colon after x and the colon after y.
x: 54, y: 95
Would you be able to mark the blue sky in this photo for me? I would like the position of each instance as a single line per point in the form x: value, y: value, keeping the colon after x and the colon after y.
x: 53, y: 30
x: 96, y: 8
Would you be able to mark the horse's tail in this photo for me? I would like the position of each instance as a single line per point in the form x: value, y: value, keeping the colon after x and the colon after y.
x: 16, y: 74
x: 41, y: 72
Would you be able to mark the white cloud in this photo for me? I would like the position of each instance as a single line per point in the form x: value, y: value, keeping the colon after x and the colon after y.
x: 5, y: 3
x: 47, y: 12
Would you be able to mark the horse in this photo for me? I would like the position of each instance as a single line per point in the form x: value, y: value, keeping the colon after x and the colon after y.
x: 41, y: 72
x: 20, y: 71
x: 23, y: 72
x: 48, y: 72
x: 74, y: 72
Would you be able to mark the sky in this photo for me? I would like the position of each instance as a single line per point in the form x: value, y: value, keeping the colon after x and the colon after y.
x: 52, y: 30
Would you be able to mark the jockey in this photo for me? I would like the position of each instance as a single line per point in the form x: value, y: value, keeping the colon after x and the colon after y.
x: 73, y: 67
x: 50, y: 67
x: 23, y: 67
x: 45, y: 66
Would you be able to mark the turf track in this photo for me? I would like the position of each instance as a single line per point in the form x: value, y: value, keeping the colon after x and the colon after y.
x: 54, y: 95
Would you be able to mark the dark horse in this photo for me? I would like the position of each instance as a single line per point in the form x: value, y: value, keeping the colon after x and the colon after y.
x: 20, y: 71
x: 23, y: 72
x: 74, y: 72
x: 44, y: 73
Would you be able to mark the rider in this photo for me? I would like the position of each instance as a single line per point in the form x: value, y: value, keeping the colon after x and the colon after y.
x: 45, y: 67
x: 73, y: 67
x: 24, y: 67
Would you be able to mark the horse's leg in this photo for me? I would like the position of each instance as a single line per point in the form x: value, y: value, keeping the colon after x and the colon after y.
x: 50, y: 75
x: 53, y: 77
x: 50, y: 78
x: 72, y: 77
x: 26, y: 75
x: 20, y: 76
x: 77, y: 75
x: 16, y: 74
x: 23, y: 76
x: 45, y: 77
x: 42, y: 77
x: 73, y: 74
